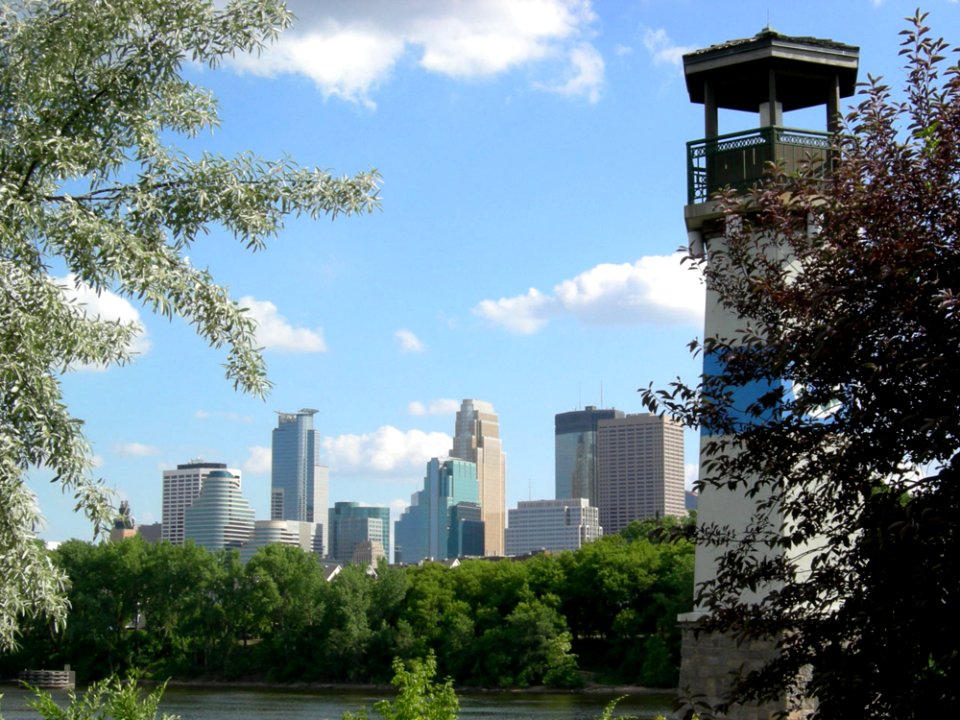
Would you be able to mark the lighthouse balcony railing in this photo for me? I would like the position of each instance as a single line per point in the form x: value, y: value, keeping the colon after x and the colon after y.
x: 739, y: 160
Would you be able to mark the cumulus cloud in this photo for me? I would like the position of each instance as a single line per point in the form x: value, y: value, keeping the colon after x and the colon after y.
x: 259, y: 460
x: 662, y: 49
x: 106, y: 306
x: 655, y: 289
x: 350, y: 47
x: 409, y: 343
x: 442, y: 406
x: 275, y: 333
x: 135, y: 449
x: 691, y: 473
x: 585, y: 76
x: 523, y: 314
x: 386, y: 450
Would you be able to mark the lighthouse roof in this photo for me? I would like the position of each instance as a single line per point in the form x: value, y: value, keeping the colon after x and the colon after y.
x: 739, y: 70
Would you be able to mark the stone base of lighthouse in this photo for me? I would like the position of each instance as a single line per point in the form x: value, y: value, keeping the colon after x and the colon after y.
x: 709, y: 663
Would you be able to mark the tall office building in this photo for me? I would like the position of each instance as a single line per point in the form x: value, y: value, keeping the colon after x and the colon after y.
x: 477, y: 439
x: 299, y: 484
x: 575, y: 454
x: 347, y: 526
x: 465, y: 531
x: 220, y: 518
x: 640, y: 475
x: 553, y: 525
x: 180, y: 488
x: 424, y: 529
x: 359, y: 540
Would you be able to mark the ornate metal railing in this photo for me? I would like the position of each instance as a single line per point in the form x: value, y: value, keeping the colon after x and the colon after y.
x: 739, y: 160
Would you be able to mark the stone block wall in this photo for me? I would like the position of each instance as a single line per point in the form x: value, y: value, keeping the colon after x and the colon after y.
x: 710, y: 662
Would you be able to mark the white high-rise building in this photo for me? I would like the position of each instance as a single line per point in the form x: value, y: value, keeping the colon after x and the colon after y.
x: 552, y: 525
x: 180, y: 488
x: 640, y: 470
x: 477, y: 439
x: 221, y: 518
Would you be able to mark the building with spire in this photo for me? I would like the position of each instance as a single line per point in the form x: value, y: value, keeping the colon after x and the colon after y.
x: 299, y: 484
x: 477, y: 439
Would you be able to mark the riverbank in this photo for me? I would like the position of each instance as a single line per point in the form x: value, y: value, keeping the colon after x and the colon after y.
x: 590, y: 688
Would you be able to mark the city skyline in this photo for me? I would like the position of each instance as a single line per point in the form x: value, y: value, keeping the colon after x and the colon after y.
x: 525, y: 252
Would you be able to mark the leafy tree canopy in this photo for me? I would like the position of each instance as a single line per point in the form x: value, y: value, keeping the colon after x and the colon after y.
x: 853, y: 453
x: 90, y: 94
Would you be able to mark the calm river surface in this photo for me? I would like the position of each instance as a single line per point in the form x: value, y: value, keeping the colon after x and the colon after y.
x: 231, y: 704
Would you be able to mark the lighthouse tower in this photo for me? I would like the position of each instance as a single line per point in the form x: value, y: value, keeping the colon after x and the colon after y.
x: 769, y: 74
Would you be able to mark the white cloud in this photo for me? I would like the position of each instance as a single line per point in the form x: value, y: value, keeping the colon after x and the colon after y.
x: 523, y: 314
x: 691, y: 472
x: 259, y: 460
x: 409, y: 343
x: 221, y: 415
x: 397, y: 506
x: 586, y: 74
x: 442, y: 406
x: 275, y: 333
x: 656, y: 289
x: 107, y: 306
x: 386, y: 450
x: 662, y: 49
x: 135, y: 449
x: 350, y: 47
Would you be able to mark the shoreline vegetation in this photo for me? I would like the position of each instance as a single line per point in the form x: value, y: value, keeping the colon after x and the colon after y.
x: 597, y: 620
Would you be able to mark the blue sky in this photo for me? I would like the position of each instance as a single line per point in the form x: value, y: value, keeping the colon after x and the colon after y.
x: 532, y: 154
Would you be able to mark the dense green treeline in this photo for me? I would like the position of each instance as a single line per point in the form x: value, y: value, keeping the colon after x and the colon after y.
x: 180, y: 611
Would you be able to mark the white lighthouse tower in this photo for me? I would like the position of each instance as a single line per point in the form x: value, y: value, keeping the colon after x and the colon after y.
x: 769, y: 74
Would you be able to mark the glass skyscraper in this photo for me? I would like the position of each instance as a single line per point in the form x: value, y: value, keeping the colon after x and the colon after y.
x: 299, y: 484
x: 424, y: 530
x: 576, y: 471
x: 346, y: 513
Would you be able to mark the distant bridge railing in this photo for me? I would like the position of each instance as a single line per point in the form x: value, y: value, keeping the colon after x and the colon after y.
x: 738, y: 160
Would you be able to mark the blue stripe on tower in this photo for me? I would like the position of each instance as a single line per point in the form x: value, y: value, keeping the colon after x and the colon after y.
x: 743, y: 408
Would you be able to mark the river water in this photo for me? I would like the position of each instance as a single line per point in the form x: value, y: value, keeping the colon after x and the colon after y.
x: 243, y: 704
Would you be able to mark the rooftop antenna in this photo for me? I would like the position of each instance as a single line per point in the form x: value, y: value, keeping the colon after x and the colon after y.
x: 601, y: 393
